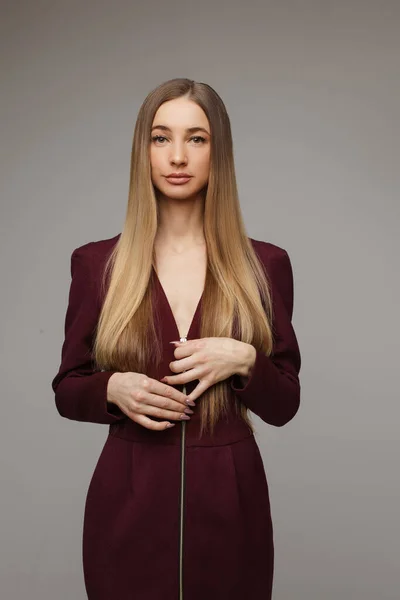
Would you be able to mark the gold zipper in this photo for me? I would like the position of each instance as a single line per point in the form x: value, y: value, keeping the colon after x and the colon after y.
x: 183, y: 437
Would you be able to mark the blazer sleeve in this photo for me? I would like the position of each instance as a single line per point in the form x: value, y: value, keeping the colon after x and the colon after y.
x: 80, y: 390
x: 272, y: 390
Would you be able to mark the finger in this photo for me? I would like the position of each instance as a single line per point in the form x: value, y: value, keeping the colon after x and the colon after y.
x: 163, y: 413
x: 180, y: 378
x: 155, y: 425
x: 200, y: 388
x: 163, y: 403
x: 190, y: 347
x: 184, y: 349
x: 162, y: 389
x: 183, y: 364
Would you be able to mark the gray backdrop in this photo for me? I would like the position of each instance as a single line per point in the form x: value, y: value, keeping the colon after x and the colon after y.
x: 312, y: 89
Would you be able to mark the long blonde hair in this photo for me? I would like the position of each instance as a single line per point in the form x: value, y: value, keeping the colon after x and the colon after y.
x: 236, y: 300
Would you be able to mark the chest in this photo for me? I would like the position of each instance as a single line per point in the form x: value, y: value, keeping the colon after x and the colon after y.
x: 182, y: 280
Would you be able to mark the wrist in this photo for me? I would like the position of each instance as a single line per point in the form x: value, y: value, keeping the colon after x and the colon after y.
x: 247, y: 361
x: 112, y: 387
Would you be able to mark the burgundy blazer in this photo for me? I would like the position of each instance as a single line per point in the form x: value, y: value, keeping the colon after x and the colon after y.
x: 272, y: 392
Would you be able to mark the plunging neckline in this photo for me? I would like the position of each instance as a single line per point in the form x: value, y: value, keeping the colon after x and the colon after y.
x: 164, y: 295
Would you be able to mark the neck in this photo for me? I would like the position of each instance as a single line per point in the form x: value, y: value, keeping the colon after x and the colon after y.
x: 180, y: 223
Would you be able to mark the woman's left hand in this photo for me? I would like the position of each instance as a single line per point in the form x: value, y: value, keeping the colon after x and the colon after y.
x: 209, y: 360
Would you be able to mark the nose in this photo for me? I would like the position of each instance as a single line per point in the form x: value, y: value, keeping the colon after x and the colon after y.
x: 178, y: 154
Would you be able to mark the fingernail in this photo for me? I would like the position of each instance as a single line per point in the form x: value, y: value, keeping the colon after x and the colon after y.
x: 177, y: 342
x: 189, y: 411
x: 170, y: 425
x: 184, y: 417
x: 190, y: 402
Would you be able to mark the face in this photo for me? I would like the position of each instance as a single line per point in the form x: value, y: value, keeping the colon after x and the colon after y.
x: 180, y: 143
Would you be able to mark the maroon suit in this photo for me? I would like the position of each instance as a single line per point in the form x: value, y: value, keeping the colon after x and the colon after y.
x: 157, y: 527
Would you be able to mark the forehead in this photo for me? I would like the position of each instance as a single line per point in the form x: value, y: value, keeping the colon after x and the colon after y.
x: 180, y: 113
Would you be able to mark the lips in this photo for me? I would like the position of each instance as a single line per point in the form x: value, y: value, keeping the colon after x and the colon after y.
x: 177, y: 175
x: 178, y: 180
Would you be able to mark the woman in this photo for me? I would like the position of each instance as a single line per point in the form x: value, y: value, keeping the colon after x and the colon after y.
x: 180, y: 309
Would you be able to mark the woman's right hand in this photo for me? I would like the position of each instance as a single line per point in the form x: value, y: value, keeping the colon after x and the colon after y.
x: 138, y: 395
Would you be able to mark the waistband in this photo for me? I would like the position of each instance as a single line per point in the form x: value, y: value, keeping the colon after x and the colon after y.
x: 227, y: 431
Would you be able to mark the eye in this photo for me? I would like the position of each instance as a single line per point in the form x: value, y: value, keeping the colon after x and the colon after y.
x: 198, y: 137
x: 156, y: 138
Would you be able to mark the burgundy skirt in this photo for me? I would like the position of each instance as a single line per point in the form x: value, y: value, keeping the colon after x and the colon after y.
x: 170, y: 522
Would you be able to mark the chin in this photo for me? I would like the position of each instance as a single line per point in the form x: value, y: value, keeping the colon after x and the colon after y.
x: 178, y: 190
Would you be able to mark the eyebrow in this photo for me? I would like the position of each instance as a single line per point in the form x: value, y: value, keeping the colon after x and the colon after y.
x: 189, y: 129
